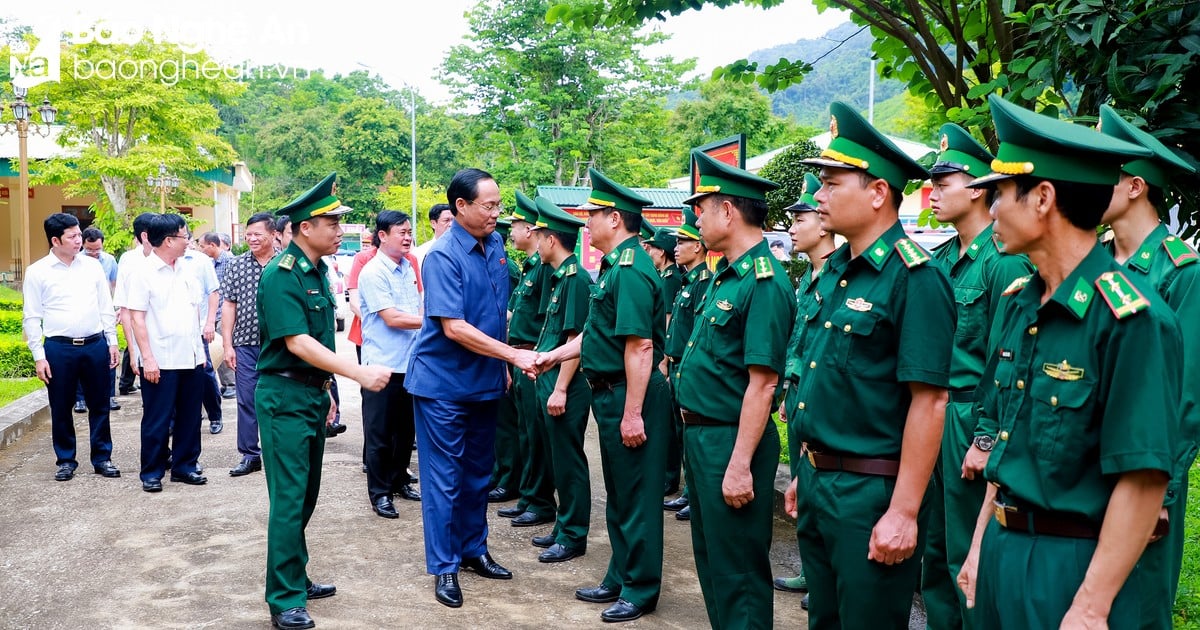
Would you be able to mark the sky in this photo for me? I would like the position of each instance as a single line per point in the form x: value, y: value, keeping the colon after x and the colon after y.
x: 402, y: 41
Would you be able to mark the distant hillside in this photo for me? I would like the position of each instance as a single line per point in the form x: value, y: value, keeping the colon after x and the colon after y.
x: 842, y: 74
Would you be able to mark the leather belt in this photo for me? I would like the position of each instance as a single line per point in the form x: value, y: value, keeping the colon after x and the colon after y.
x: 522, y: 346
x: 962, y: 395
x: 605, y: 384
x: 847, y: 463
x: 312, y: 379
x: 1055, y: 523
x: 696, y: 419
x: 77, y: 341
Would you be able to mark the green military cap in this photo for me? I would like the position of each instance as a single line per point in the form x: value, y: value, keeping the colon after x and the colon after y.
x: 647, y: 231
x: 664, y: 238
x: 1157, y: 169
x: 551, y: 217
x: 504, y: 227
x: 807, y: 201
x: 960, y: 153
x: 318, y: 201
x: 854, y: 143
x: 719, y: 177
x: 609, y: 194
x: 526, y: 209
x: 1048, y: 148
x: 688, y: 231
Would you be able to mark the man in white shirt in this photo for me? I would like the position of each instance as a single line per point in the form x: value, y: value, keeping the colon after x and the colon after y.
x: 125, y: 266
x: 67, y: 301
x: 210, y: 301
x: 440, y: 218
x: 164, y: 308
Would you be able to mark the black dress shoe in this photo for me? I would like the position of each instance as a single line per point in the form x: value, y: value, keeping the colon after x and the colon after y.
x: 486, y: 567
x: 622, y: 611
x: 215, y: 427
x: 599, y: 594
x: 412, y: 477
x: 545, y: 542
x: 321, y: 591
x: 152, y: 485
x: 80, y: 407
x: 246, y: 466
x: 530, y: 519
x: 192, y: 478
x: 113, y: 405
x: 335, y: 429
x: 559, y: 553
x: 501, y: 495
x: 126, y: 392
x: 293, y: 618
x: 511, y: 512
x: 674, y: 505
x: 408, y: 493
x: 445, y: 588
x: 685, y: 514
x: 383, y: 506
x: 107, y: 469
x: 64, y: 473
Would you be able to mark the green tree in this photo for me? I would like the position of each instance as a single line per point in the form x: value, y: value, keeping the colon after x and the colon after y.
x: 787, y: 170
x: 400, y: 198
x: 726, y: 109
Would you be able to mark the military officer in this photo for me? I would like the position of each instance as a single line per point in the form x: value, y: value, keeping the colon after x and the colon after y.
x: 870, y: 399
x: 295, y: 314
x: 536, y: 503
x: 1165, y: 263
x: 562, y: 394
x: 506, y: 473
x: 692, y: 257
x: 661, y: 247
x: 726, y: 387
x: 979, y: 273
x: 621, y: 346
x: 1085, y: 426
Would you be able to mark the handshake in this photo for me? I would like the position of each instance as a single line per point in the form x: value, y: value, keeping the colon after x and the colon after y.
x: 534, y: 363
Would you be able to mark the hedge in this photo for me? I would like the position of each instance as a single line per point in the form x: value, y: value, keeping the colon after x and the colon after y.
x: 10, y: 300
x: 15, y: 358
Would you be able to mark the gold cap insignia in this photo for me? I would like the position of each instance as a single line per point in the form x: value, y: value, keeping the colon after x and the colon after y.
x: 945, y: 145
x: 833, y: 126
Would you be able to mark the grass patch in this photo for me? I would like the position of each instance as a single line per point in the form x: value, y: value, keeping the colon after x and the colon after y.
x: 1187, y: 603
x: 14, y: 388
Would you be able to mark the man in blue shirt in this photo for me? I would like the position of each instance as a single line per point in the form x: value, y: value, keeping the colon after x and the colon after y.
x: 457, y: 377
x: 391, y: 308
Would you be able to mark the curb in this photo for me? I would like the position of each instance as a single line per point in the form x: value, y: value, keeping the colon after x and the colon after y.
x: 23, y: 415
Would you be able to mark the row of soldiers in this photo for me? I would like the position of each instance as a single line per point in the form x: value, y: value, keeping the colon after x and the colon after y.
x: 998, y: 423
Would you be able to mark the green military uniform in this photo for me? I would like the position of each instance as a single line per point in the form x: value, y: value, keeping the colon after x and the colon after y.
x: 743, y: 321
x: 1071, y: 399
x: 527, y: 307
x: 506, y: 472
x: 627, y: 302
x: 883, y: 318
x: 1167, y: 264
x: 672, y: 279
x: 693, y: 284
x: 293, y: 299
x: 569, y: 291
x: 978, y: 275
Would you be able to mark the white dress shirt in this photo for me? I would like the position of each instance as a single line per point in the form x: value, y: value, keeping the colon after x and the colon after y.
x: 126, y: 267
x: 66, y: 300
x: 170, y: 296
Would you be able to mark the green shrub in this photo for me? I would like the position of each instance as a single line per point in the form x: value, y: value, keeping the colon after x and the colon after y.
x: 15, y: 358
x: 10, y: 322
x: 10, y: 299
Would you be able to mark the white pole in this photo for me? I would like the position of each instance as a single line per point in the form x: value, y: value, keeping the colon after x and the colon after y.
x: 413, y: 97
x: 871, y: 95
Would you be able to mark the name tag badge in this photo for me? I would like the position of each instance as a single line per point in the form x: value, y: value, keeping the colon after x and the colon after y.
x: 1006, y: 355
x: 314, y: 291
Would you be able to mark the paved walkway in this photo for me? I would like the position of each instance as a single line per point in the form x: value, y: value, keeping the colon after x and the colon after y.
x: 100, y: 553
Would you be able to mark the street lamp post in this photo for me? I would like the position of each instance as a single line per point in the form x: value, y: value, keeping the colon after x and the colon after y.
x: 22, y: 126
x: 163, y: 182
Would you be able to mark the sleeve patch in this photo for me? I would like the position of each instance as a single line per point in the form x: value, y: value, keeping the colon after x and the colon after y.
x: 911, y: 253
x: 1122, y: 297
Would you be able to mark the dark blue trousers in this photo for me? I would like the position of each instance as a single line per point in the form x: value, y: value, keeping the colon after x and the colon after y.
x: 70, y: 367
x: 456, y: 440
x: 176, y: 396
x: 247, y: 417
x: 212, y: 391
x: 112, y: 382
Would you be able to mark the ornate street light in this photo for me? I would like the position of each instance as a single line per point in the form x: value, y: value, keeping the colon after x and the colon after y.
x: 22, y: 126
x: 162, y: 183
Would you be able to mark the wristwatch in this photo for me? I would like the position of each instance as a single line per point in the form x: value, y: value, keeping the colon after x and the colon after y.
x: 984, y: 443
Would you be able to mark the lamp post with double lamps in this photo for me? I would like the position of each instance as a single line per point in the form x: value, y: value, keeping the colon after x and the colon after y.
x: 22, y: 127
x: 162, y: 183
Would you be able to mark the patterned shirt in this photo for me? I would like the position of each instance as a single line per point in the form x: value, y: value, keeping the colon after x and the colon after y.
x: 240, y: 286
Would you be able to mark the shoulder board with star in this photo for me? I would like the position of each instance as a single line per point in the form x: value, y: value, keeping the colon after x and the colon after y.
x: 571, y: 269
x: 1016, y: 285
x: 287, y: 262
x: 626, y: 258
x: 1180, y: 252
x: 1122, y: 297
x: 668, y: 272
x: 705, y: 274
x: 911, y: 253
x: 763, y: 268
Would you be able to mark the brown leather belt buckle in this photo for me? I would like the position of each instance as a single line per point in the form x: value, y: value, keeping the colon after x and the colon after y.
x: 811, y: 460
x: 1001, y: 511
x: 327, y: 385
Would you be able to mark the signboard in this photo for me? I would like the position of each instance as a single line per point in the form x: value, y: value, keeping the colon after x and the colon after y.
x: 5, y: 193
x: 731, y: 150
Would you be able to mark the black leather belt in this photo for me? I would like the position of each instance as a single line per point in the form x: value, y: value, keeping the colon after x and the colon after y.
x: 312, y: 379
x: 77, y: 341
x: 962, y: 395
x: 522, y: 346
x: 605, y: 384
x: 695, y: 419
x: 1054, y: 523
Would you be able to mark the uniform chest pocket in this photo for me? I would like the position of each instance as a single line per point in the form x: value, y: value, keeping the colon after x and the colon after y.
x: 972, y: 311
x: 1061, y: 415
x: 320, y: 311
x: 862, y: 345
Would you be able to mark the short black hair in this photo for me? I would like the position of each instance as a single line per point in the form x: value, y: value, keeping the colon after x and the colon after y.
x: 754, y: 211
x: 141, y: 223
x: 282, y: 223
x: 387, y: 220
x: 989, y: 192
x: 164, y: 225
x: 93, y: 234
x: 436, y: 211
x: 212, y: 238
x: 566, y: 239
x: 262, y: 217
x: 897, y: 195
x: 57, y: 224
x: 465, y: 185
x: 1082, y: 204
x: 631, y: 221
